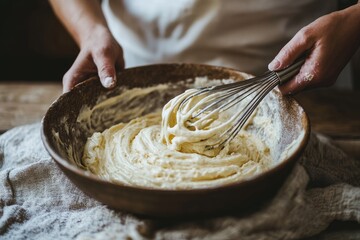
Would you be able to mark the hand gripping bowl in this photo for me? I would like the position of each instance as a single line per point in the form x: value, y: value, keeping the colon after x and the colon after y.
x: 64, y: 138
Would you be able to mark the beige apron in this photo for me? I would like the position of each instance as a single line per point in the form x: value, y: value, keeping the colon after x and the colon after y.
x: 242, y: 34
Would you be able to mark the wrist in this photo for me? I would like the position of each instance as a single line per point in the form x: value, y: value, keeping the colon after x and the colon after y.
x: 352, y: 16
x: 352, y: 11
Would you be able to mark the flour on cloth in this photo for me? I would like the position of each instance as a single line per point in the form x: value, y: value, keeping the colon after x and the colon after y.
x: 37, y: 201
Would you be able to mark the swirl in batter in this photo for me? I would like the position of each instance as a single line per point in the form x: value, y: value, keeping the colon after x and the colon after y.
x: 137, y: 154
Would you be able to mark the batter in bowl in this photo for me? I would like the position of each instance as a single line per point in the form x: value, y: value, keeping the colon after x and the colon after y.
x: 141, y: 153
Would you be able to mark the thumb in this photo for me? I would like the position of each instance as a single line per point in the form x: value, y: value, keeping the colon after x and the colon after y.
x: 292, y: 50
x: 106, y: 70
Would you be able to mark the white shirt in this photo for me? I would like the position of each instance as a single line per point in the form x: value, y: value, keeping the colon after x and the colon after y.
x: 241, y: 34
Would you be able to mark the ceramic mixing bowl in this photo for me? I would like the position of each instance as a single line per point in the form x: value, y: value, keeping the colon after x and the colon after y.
x: 64, y: 138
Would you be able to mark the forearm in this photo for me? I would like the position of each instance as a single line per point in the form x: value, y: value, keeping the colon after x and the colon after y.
x: 80, y: 17
x: 353, y: 12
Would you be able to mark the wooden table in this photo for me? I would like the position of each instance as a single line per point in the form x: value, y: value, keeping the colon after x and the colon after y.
x: 335, y: 113
x: 24, y: 102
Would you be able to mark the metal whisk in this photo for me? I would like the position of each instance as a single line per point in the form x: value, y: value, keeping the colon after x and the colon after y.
x: 208, y: 102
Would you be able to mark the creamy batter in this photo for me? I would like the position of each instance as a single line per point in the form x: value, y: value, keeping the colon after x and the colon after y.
x: 147, y: 152
x: 202, y: 134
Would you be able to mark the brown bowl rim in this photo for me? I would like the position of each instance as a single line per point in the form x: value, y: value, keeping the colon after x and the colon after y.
x: 83, y: 173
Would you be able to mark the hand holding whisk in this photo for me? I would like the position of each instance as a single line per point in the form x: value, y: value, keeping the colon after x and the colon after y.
x: 193, y: 120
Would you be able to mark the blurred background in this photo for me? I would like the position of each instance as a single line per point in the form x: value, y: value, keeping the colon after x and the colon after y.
x: 34, y: 46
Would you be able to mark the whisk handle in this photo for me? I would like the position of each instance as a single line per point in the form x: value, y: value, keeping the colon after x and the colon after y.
x: 286, y: 74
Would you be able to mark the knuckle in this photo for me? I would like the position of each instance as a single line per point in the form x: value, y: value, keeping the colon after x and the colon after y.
x: 103, y: 51
x: 285, y: 56
x: 104, y: 59
x: 106, y: 68
x: 304, y: 36
x: 287, y: 52
x: 71, y: 77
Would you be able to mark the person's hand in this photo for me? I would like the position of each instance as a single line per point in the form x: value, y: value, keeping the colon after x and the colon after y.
x: 330, y: 41
x: 100, y: 55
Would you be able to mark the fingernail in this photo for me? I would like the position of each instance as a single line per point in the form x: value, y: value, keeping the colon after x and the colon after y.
x: 108, y: 82
x: 274, y: 65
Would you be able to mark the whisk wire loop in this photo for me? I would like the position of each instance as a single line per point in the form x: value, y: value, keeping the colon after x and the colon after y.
x: 242, y: 116
x: 204, y: 106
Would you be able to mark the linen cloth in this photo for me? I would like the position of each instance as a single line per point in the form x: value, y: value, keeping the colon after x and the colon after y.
x: 37, y: 201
